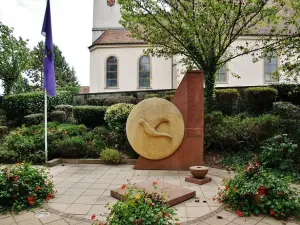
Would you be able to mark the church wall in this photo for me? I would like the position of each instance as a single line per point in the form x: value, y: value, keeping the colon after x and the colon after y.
x: 161, y: 69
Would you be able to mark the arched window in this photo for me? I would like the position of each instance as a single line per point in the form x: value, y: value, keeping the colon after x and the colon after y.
x: 112, y: 72
x: 144, y: 72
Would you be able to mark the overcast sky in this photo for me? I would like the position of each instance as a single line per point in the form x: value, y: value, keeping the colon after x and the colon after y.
x: 71, y: 27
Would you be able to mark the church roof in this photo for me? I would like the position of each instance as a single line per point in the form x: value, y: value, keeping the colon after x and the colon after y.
x: 117, y: 37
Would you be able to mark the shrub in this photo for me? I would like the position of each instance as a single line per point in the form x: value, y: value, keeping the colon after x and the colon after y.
x: 240, y: 194
x: 34, y: 119
x: 286, y: 110
x: 20, y: 105
x: 70, y: 147
x: 116, y: 116
x: 58, y: 116
x: 259, y: 99
x: 109, y: 137
x: 239, y: 133
x: 279, y: 152
x: 91, y: 116
x: 139, y: 206
x: 74, y: 90
x: 152, y: 95
x: 111, y: 100
x: 112, y: 156
x: 288, y: 93
x: 23, y: 186
x: 226, y: 100
x: 68, y: 109
x: 3, y: 131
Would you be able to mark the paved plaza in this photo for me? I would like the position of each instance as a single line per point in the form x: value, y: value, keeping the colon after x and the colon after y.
x: 84, y: 190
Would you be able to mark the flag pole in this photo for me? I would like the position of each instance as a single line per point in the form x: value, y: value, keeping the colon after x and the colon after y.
x: 46, y: 128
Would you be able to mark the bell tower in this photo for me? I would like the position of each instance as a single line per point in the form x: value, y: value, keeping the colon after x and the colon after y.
x: 106, y: 16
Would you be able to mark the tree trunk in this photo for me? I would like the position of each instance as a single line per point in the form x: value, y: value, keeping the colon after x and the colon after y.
x: 209, y: 93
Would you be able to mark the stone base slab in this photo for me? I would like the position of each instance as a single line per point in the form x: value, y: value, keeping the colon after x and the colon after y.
x: 175, y: 194
x: 199, y: 181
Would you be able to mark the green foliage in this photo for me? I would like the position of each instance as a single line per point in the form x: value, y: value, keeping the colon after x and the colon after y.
x: 91, y: 116
x: 279, y: 153
x: 240, y: 194
x: 65, y: 76
x: 20, y: 105
x: 152, y: 95
x: 233, y: 161
x: 14, y: 58
x: 111, y: 100
x: 226, y: 100
x: 74, y: 90
x: 58, y: 116
x: 260, y: 99
x: 116, y: 118
x: 3, y: 131
x: 288, y: 93
x: 140, y: 207
x: 68, y: 109
x: 169, y: 95
x: 112, y: 156
x: 238, y: 133
x: 23, y: 186
x: 34, y: 119
x: 109, y: 137
x: 286, y: 110
x: 64, y: 140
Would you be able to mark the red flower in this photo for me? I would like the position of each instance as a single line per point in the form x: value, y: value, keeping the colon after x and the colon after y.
x: 155, y: 183
x: 239, y: 213
x: 226, y: 188
x: 219, y: 194
x: 49, y: 197
x: 177, y: 223
x: 167, y: 215
x: 218, y: 188
x: 135, y: 187
x: 93, y: 216
x: 30, y: 202
x: 278, y: 192
x: 234, y: 190
x: 15, y: 178
x: 223, y: 179
x: 214, y: 199
x: 257, y: 164
x: 272, y: 212
x: 38, y: 188
x: 123, y: 186
x: 221, y: 201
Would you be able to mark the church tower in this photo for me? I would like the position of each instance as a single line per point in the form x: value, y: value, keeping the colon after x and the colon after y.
x: 106, y: 16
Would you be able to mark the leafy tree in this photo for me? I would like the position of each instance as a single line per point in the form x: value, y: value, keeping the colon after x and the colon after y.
x: 203, y: 32
x: 64, y: 75
x: 14, y: 58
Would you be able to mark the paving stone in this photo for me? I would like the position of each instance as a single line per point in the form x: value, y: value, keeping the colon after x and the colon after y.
x: 271, y: 221
x: 72, y: 222
x: 88, y: 180
x: 82, y: 185
x: 103, y: 200
x: 60, y: 206
x: 7, y: 221
x: 75, y: 191
x: 181, y: 211
x: 2, y: 216
x: 87, y: 199
x: 73, y: 180
x: 215, y: 221
x: 33, y: 221
x: 49, y: 219
x: 99, y: 186
x: 99, y: 210
x: 245, y: 221
x: 66, y: 199
x: 81, y: 209
x: 93, y: 192
x: 104, y: 180
x: 65, y: 185
x: 227, y: 215
x: 60, y: 191
x: 195, y: 212
x: 58, y: 222
x: 23, y: 216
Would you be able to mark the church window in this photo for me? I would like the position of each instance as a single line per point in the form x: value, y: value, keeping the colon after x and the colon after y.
x: 112, y: 72
x: 144, y: 72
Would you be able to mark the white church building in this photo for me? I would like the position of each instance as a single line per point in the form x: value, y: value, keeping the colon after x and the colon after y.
x: 117, y: 62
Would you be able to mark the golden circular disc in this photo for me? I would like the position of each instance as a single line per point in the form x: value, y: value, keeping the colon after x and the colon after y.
x: 155, y: 128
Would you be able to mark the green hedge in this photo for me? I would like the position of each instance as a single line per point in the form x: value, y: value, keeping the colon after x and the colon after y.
x: 91, y: 116
x: 288, y: 93
x: 286, y: 110
x: 259, y: 100
x: 152, y: 95
x: 64, y: 140
x: 20, y: 105
x: 3, y: 131
x: 111, y: 100
x: 68, y: 109
x: 34, y: 119
x: 226, y: 100
x: 238, y: 133
x: 58, y: 116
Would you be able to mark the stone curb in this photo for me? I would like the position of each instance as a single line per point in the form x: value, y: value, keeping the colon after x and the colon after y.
x: 55, y: 162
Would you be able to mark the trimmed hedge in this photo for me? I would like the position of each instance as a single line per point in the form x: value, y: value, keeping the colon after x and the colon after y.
x: 226, y: 100
x: 111, y: 100
x: 58, y: 116
x: 20, y: 105
x: 169, y: 95
x: 68, y: 109
x: 286, y: 110
x: 91, y: 116
x: 34, y: 119
x: 152, y: 95
x: 259, y: 99
x: 288, y: 93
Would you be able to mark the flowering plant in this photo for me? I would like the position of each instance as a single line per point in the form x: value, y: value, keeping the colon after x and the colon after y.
x: 240, y: 193
x: 140, y: 208
x: 23, y: 186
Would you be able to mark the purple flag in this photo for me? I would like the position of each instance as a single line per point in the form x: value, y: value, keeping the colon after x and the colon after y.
x: 49, y: 76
